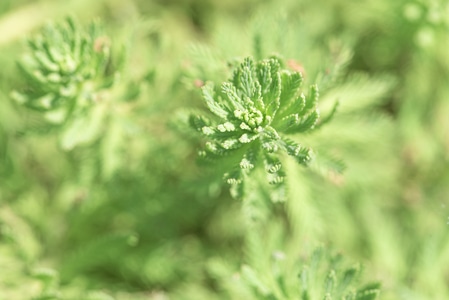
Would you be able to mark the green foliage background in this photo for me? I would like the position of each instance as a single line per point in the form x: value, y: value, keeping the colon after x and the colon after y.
x: 128, y: 213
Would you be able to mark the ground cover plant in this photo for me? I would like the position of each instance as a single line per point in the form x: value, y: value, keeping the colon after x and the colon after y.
x: 224, y: 149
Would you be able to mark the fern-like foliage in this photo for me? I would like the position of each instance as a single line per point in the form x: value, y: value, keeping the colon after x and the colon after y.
x: 62, y: 61
x: 254, y: 112
x: 68, y: 71
x: 321, y: 276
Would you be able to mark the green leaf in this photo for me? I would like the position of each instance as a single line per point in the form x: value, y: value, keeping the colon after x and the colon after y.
x: 291, y: 82
x: 329, y: 117
x: 369, y: 292
x: 264, y: 76
x: 287, y: 122
x: 360, y: 91
x: 348, y: 276
x: 214, y: 107
x: 84, y: 129
x: 249, y: 160
x: 368, y: 295
x: 296, y: 106
x: 271, y: 98
x: 244, y: 80
x: 273, y: 168
x: 304, y: 124
x: 199, y: 123
x: 215, y: 150
x: 237, y: 190
x: 312, y: 98
x: 301, y: 154
x: 234, y: 99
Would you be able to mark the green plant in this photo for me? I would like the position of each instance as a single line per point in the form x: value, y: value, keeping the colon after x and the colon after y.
x: 101, y: 199
x: 73, y: 83
x: 322, y: 276
x: 253, y: 112
x: 69, y: 71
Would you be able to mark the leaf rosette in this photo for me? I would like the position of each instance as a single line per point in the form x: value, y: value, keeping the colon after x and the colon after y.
x: 70, y: 74
x: 253, y: 113
x: 65, y: 67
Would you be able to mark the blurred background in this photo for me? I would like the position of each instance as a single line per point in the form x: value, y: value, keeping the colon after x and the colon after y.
x: 135, y: 217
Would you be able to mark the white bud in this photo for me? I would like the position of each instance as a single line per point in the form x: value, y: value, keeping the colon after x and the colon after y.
x: 244, y: 126
x: 228, y: 144
x: 246, y: 164
x: 207, y: 130
x: 244, y: 139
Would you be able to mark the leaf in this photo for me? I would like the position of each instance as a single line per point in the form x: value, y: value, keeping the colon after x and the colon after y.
x: 295, y: 106
x: 214, y: 107
x: 329, y: 117
x: 291, y: 82
x: 44, y: 61
x: 271, y: 98
x: 304, y: 124
x: 234, y: 99
x: 237, y: 191
x: 249, y: 160
x: 348, y: 276
x: 215, y: 150
x: 369, y: 292
x: 312, y: 98
x: 359, y: 92
x: 83, y: 129
x: 244, y: 80
x: 198, y: 123
x: 287, y: 122
x: 235, y: 179
x: 264, y: 76
x: 301, y: 154
x: 273, y: 168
